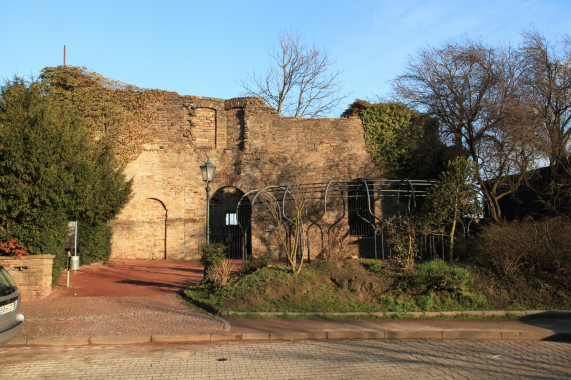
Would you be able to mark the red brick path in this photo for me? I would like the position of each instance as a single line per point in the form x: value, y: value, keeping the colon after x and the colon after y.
x: 130, y: 278
x: 121, y: 298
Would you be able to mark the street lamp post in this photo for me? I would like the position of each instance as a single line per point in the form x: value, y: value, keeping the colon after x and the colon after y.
x: 207, y: 171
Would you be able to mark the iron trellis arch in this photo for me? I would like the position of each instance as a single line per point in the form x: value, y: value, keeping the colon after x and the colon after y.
x: 282, y: 197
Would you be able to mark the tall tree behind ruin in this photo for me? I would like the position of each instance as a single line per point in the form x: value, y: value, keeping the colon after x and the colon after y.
x: 473, y: 91
x: 547, y: 83
x: 299, y: 82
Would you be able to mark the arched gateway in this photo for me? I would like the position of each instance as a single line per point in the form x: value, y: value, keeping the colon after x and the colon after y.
x: 230, y: 224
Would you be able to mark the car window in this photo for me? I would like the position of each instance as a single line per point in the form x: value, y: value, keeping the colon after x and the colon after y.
x: 7, y: 284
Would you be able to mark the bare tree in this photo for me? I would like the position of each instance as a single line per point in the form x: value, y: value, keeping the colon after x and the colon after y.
x: 473, y: 90
x: 547, y: 90
x: 299, y: 82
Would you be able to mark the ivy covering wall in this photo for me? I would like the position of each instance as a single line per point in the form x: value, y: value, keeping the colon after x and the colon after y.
x: 402, y: 142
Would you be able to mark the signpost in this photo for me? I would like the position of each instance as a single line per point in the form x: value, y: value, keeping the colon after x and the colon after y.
x: 71, y: 243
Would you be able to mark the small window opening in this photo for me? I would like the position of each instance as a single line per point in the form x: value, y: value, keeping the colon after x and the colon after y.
x: 231, y: 219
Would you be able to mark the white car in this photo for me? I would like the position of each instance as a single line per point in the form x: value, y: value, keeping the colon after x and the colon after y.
x: 11, y: 321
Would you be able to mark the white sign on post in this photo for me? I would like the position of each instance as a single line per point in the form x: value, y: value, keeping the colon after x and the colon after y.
x: 71, y: 244
x: 71, y: 241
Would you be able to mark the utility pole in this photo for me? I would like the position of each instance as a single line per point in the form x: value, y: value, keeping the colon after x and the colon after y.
x: 63, y: 55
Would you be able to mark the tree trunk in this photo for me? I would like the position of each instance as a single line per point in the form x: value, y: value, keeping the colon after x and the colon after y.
x: 493, y: 205
x: 452, y: 232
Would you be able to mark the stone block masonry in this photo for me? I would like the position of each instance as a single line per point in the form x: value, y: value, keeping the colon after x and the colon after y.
x: 250, y: 145
x: 33, y: 274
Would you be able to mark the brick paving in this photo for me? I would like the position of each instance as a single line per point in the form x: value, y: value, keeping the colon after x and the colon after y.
x: 168, y: 314
x: 121, y: 298
x: 346, y: 359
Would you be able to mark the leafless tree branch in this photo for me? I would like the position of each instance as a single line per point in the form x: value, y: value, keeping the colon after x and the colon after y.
x: 299, y: 82
x: 475, y: 92
x: 547, y: 91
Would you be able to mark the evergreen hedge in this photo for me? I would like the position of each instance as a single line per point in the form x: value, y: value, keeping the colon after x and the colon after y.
x: 51, y: 172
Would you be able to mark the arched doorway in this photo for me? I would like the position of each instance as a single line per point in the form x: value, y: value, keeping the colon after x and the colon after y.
x: 230, y: 224
x: 145, y: 236
x: 361, y: 207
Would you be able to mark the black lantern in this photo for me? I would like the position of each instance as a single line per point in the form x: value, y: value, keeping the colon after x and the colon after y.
x: 207, y: 171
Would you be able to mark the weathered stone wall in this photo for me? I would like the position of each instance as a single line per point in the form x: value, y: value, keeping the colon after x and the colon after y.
x: 33, y: 274
x: 251, y: 147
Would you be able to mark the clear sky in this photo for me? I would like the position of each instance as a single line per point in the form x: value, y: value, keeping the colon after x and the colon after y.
x: 205, y: 47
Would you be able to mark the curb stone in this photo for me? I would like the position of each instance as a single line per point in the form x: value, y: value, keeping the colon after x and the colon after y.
x: 564, y: 314
x: 472, y: 335
x: 200, y: 338
x: 499, y: 334
x: 355, y: 335
x: 292, y: 336
x: 60, y: 341
x: 315, y: 335
x: 110, y: 340
x: 414, y: 335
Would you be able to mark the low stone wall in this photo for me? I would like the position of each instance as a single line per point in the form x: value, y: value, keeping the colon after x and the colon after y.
x: 33, y: 274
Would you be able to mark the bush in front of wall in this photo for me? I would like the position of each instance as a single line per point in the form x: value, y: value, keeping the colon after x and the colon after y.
x: 217, y: 267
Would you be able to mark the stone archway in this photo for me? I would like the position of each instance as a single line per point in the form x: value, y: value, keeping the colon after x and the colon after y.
x: 147, y: 237
x: 229, y: 224
x: 159, y: 230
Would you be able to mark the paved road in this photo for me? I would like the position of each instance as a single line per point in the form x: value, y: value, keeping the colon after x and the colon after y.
x: 345, y: 359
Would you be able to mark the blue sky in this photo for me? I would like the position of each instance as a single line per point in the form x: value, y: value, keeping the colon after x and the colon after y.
x: 206, y: 47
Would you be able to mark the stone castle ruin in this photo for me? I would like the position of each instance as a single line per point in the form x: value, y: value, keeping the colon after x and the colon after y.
x: 251, y: 146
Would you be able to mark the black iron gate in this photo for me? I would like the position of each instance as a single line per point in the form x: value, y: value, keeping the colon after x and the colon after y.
x: 227, y: 222
x: 361, y: 207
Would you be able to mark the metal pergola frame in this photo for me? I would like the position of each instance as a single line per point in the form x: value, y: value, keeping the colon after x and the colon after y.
x: 324, y: 196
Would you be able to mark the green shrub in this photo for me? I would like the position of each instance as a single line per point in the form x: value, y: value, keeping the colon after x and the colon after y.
x: 441, y: 286
x: 217, y: 267
x: 348, y: 275
x: 94, y: 243
x: 261, y: 261
x: 439, y: 276
x: 212, y: 254
x: 401, y: 236
x: 376, y: 267
x: 390, y: 303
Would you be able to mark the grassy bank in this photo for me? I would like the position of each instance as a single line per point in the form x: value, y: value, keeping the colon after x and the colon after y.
x: 375, y: 286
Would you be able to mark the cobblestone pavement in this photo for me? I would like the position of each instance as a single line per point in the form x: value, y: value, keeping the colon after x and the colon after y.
x: 344, y: 359
x: 115, y: 316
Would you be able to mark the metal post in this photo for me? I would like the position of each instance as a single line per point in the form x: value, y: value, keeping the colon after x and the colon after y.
x: 75, y: 240
x: 207, y: 212
x: 68, y: 265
